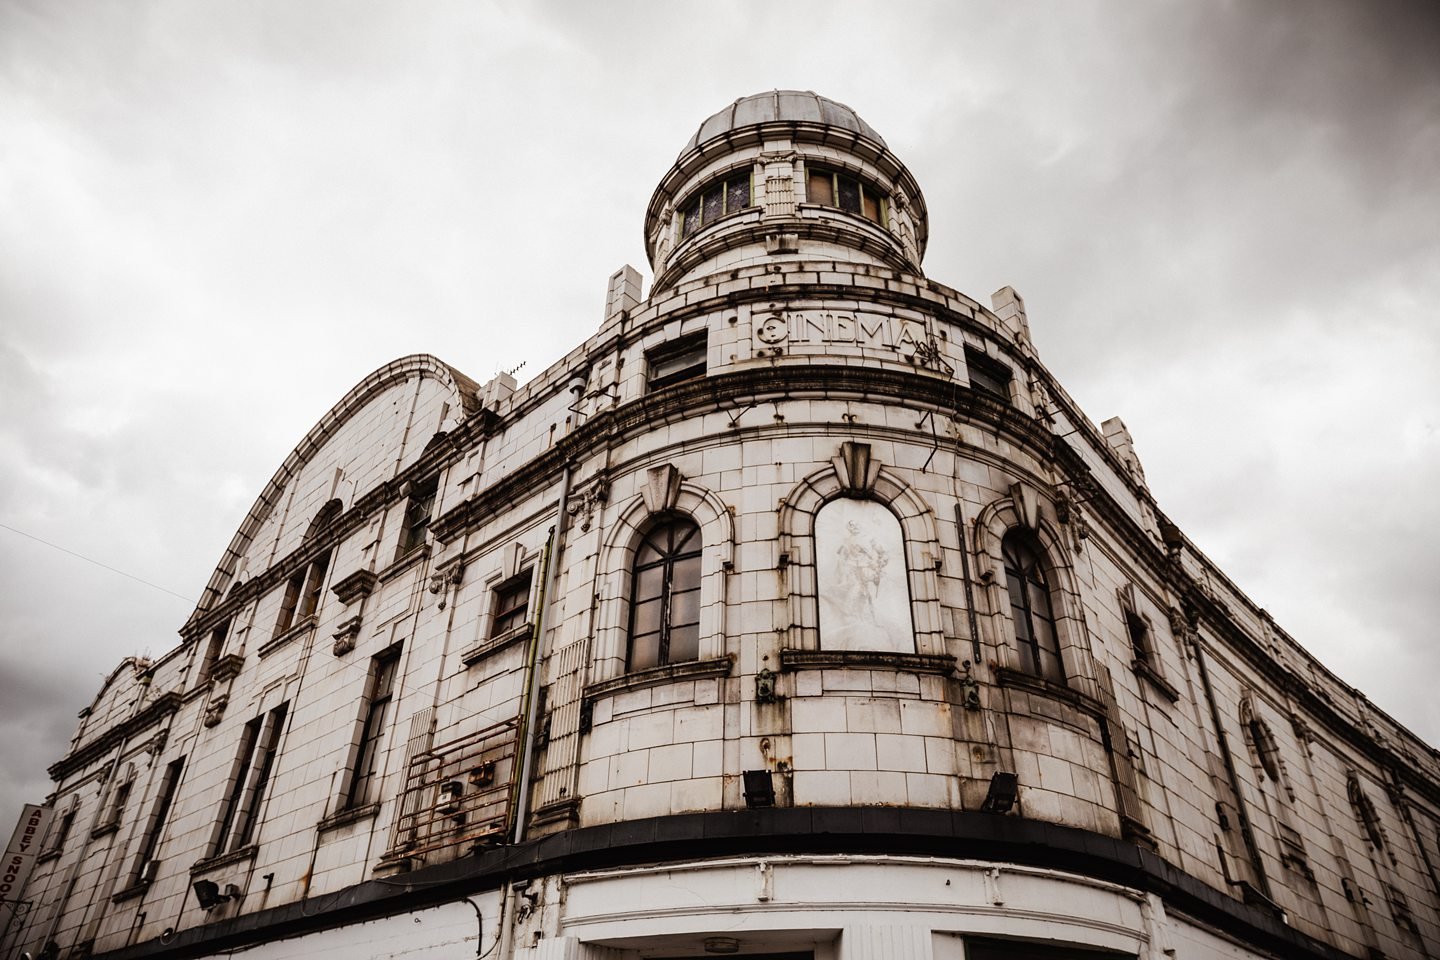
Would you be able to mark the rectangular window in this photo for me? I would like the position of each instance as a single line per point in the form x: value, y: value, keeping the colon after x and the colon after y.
x: 213, y: 646
x: 302, y: 594
x: 679, y: 360
x: 1139, y: 632
x: 988, y: 375
x: 512, y: 604
x: 141, y: 872
x: 716, y: 200
x: 118, y: 803
x: 375, y: 711
x: 418, y: 512
x: 829, y: 188
x: 60, y: 831
x: 253, y: 766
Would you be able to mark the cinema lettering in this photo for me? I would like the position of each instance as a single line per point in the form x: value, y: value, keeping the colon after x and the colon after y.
x: 825, y: 327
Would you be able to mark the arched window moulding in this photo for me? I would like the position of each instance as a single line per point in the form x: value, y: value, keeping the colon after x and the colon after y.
x: 856, y: 474
x: 663, y: 490
x: 1028, y: 509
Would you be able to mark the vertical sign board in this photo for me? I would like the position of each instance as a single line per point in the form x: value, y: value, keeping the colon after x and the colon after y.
x: 20, y: 855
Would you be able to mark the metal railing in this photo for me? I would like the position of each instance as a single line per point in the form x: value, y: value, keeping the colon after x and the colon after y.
x: 457, y: 794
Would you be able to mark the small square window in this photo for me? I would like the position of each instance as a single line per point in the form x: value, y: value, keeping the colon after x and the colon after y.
x: 987, y: 375
x: 512, y: 604
x: 679, y: 360
x: 1139, y: 632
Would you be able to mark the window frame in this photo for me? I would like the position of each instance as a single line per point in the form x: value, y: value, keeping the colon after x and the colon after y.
x: 511, y: 589
x: 695, y: 202
x: 155, y: 824
x: 689, y: 550
x: 691, y: 350
x: 304, y: 595
x: 996, y: 378
x: 379, y: 695
x: 253, y: 770
x: 1022, y: 609
x: 414, y: 525
x: 214, y: 646
x: 865, y: 189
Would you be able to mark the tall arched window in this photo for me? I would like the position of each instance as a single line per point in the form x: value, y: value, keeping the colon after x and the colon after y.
x: 1031, y: 607
x: 665, y: 595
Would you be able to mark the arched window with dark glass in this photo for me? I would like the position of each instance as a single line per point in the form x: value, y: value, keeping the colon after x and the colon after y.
x: 1031, y: 607
x: 665, y: 595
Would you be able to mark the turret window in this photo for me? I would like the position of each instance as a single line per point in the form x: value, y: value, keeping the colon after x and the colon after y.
x: 830, y: 188
x: 716, y: 200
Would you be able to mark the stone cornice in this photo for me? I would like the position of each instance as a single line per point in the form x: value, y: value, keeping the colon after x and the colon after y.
x: 148, y: 715
x: 874, y: 831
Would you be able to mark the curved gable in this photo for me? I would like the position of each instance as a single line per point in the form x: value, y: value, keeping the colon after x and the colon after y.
x: 378, y: 428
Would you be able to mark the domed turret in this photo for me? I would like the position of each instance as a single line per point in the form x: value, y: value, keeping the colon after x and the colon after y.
x: 784, y: 175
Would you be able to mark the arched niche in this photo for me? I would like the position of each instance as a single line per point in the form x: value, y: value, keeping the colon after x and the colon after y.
x: 855, y: 475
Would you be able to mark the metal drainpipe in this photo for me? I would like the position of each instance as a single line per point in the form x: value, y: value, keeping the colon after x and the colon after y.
x: 537, y: 645
x: 975, y: 651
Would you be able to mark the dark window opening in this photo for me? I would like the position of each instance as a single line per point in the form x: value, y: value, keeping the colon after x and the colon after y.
x: 512, y: 604
x: 830, y: 188
x: 150, y: 842
x: 679, y: 360
x: 1139, y: 632
x: 253, y: 766
x: 61, y: 831
x: 121, y: 799
x: 213, y: 646
x: 1031, y: 608
x: 302, y: 594
x: 988, y: 375
x: 715, y: 200
x: 372, y: 730
x: 418, y: 510
x: 665, y: 595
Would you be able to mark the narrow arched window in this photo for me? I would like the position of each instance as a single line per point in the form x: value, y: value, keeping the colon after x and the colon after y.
x: 665, y: 595
x: 1031, y: 607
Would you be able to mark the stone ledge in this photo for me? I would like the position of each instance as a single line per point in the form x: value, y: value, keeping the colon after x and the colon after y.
x: 275, y: 643
x: 941, y: 663
x: 356, y: 585
x: 474, y: 654
x: 1146, y: 671
x: 347, y: 816
x: 1016, y: 679
x: 657, y: 676
x: 404, y: 562
x: 242, y: 855
x: 131, y: 892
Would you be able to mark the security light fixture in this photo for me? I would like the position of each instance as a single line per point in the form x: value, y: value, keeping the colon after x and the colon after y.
x: 207, y: 892
x: 759, y: 789
x: 722, y: 945
x: 1001, y: 795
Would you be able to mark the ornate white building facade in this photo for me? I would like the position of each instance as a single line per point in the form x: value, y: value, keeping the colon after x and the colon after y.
x: 798, y: 612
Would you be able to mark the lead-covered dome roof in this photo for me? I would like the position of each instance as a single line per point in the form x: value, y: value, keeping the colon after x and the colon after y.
x: 803, y: 106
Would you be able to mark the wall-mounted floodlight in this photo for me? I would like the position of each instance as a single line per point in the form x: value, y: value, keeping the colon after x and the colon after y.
x: 207, y: 892
x: 1004, y: 787
x: 759, y: 789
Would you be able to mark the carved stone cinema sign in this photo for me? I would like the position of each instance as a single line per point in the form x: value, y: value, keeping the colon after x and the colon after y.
x: 799, y: 328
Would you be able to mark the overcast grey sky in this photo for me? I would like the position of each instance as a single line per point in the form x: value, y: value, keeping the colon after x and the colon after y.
x: 216, y: 217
